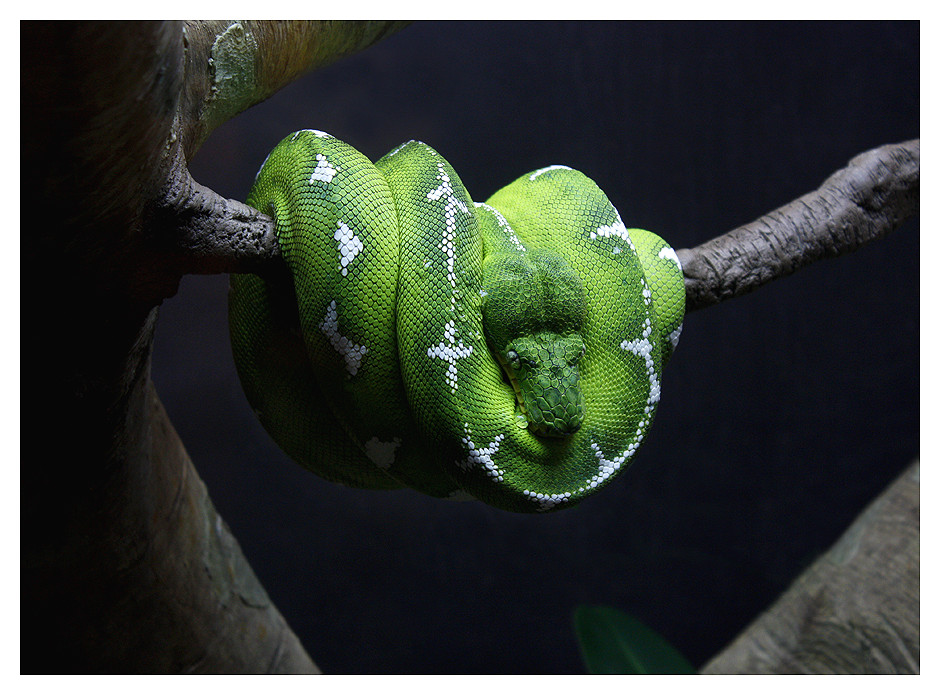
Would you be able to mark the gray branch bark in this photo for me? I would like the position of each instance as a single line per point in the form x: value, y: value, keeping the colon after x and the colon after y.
x: 203, y: 232
x: 865, y: 201
x: 126, y: 567
x: 855, y: 610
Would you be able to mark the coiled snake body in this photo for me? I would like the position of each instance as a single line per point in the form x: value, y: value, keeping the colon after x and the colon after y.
x: 511, y: 350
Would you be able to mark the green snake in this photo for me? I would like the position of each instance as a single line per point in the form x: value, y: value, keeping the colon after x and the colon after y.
x: 510, y: 351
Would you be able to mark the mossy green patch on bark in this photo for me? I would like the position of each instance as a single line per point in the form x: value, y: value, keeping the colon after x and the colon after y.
x: 232, y: 71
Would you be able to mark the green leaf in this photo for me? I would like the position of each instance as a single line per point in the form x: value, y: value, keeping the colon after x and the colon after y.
x: 613, y: 642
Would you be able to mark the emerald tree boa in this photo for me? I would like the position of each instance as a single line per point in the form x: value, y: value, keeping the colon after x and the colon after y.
x: 510, y: 351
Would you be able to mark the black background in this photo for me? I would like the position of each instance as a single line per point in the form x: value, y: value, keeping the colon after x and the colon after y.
x: 783, y: 413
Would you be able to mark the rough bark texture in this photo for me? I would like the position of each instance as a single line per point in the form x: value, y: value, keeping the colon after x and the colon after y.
x: 206, y: 233
x: 126, y: 567
x: 855, y: 610
x: 233, y: 65
x: 866, y: 200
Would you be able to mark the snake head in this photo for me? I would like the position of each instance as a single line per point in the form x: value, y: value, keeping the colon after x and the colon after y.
x: 533, y: 312
x: 543, y: 371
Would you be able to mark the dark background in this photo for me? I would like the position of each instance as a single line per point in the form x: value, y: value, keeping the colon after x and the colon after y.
x: 783, y: 413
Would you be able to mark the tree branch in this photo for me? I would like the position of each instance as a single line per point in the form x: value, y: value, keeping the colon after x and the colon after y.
x: 855, y: 610
x: 233, y: 65
x: 199, y: 231
x: 124, y: 559
x: 865, y: 201
x: 230, y: 66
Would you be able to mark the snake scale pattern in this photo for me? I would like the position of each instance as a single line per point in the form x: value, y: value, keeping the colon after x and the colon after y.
x: 509, y: 351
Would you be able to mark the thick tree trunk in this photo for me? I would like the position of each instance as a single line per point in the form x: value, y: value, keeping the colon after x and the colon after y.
x: 126, y: 566
x: 855, y: 610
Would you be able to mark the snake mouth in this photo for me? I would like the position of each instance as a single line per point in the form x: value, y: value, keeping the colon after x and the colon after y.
x: 509, y: 377
x: 553, y: 432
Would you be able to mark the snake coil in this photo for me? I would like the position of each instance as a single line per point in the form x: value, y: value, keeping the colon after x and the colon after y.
x: 510, y: 350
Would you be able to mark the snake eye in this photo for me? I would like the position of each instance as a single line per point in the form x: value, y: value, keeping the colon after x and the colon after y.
x: 513, y: 358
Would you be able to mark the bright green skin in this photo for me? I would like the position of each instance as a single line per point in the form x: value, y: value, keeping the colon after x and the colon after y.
x: 511, y: 350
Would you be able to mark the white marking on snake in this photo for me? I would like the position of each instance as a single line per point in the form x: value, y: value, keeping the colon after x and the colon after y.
x: 400, y: 147
x: 450, y: 351
x: 324, y: 171
x: 668, y: 253
x: 503, y: 224
x: 482, y: 457
x: 547, y: 501
x: 351, y: 352
x: 539, y: 172
x: 262, y: 165
x: 646, y: 291
x: 382, y: 454
x: 617, y: 229
x: 451, y: 205
x: 644, y: 348
x: 318, y: 133
x: 607, y: 467
x: 674, y: 336
x: 348, y: 244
